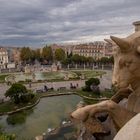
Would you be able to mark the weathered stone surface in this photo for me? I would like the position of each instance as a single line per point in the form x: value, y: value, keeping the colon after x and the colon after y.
x: 131, y: 131
x: 126, y: 75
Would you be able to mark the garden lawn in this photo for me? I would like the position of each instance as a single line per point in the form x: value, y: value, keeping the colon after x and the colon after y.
x: 10, y: 106
x: 2, y: 78
x: 89, y: 73
x: 6, y: 106
x: 107, y: 94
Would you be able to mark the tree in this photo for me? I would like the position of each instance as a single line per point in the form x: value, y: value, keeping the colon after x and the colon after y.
x: 90, y: 60
x: 104, y: 60
x: 83, y: 59
x: 76, y: 58
x: 59, y: 54
x: 111, y: 60
x: 26, y: 54
x: 37, y: 54
x: 69, y: 55
x: 47, y: 53
x: 66, y: 61
x: 15, y: 92
x: 33, y: 56
x: 79, y: 59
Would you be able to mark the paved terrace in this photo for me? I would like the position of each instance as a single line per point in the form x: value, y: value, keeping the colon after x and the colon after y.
x: 105, y: 83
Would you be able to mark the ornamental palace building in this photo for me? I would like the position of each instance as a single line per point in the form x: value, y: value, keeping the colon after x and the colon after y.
x: 97, y: 49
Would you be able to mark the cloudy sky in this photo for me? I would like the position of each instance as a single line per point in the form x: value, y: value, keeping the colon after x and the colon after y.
x: 39, y: 22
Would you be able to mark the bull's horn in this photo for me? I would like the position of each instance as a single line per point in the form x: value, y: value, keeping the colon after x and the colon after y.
x: 109, y: 41
x: 120, y: 42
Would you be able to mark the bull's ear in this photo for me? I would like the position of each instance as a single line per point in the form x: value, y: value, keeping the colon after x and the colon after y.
x: 138, y: 49
x: 123, y: 44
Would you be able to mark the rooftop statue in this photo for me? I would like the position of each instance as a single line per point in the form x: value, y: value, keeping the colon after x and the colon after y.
x: 126, y: 77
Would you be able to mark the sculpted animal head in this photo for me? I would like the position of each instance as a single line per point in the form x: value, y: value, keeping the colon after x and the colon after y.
x: 126, y: 60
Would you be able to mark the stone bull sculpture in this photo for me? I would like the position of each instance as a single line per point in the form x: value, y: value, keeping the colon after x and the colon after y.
x: 126, y: 77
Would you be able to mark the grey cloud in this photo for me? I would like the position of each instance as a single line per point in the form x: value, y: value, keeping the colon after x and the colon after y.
x: 36, y: 22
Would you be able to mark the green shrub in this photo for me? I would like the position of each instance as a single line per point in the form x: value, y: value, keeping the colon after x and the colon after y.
x: 15, y: 92
x: 27, y: 97
x: 92, y: 85
x: 39, y: 81
x: 28, y: 80
x: 21, y: 81
x: 91, y: 81
x: 4, y: 136
x: 19, y: 94
x: 86, y: 88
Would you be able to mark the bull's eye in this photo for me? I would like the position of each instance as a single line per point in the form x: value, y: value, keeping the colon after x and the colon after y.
x: 127, y: 64
x: 121, y: 63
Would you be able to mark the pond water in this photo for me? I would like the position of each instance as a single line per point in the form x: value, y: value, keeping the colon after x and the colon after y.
x: 49, y: 113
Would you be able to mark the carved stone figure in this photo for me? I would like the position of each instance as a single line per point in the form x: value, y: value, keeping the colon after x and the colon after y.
x: 126, y: 77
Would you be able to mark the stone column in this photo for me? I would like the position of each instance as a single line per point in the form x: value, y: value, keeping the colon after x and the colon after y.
x: 84, y: 66
x: 102, y: 67
x: 93, y: 67
x: 68, y: 67
x: 75, y: 66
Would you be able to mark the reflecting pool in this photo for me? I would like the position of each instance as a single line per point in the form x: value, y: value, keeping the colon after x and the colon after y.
x: 49, y: 113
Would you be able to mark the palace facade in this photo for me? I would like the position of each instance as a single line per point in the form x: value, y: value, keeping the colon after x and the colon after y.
x: 3, y: 58
x: 96, y: 49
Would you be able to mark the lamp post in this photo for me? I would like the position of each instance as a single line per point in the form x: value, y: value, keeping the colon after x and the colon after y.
x: 84, y: 66
x: 75, y: 66
x: 68, y: 66
x: 93, y: 67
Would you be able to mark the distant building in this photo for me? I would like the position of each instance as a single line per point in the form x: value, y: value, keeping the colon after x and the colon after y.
x: 14, y: 55
x: 96, y: 49
x: 108, y: 50
x: 3, y: 58
x: 11, y: 65
x: 68, y: 49
x: 10, y: 54
x: 54, y: 47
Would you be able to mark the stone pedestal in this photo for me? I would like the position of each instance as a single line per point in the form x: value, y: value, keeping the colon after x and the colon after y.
x: 27, y: 69
x: 59, y: 66
x: 93, y: 67
x: 68, y: 66
x: 66, y: 77
x: 137, y: 25
x: 75, y: 66
x: 54, y: 67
